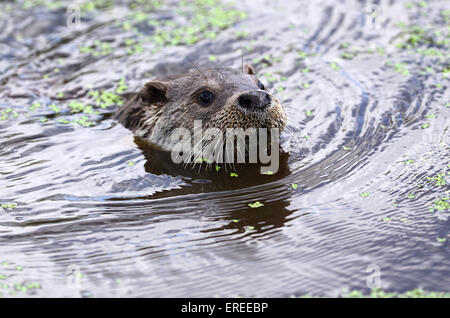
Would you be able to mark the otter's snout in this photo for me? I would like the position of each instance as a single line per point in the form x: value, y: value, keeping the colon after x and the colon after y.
x: 255, y: 100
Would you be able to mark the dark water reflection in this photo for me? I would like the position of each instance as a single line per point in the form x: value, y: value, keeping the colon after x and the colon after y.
x: 91, y: 211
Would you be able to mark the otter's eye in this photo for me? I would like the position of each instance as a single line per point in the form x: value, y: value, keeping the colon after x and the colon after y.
x: 206, y: 98
x: 261, y: 85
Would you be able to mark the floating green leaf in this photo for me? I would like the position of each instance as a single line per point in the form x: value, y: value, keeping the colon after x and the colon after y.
x: 257, y: 204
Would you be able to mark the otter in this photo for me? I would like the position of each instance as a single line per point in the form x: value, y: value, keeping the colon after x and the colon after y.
x: 220, y: 97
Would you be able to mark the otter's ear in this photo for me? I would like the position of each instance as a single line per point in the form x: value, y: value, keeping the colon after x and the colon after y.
x: 154, y: 93
x: 248, y: 69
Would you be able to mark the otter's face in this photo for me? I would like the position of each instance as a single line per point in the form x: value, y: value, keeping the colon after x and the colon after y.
x: 220, y: 98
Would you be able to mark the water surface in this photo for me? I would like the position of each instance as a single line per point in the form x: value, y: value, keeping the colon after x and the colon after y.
x: 363, y: 181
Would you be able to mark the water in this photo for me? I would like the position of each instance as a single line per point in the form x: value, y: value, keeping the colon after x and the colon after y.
x: 361, y: 196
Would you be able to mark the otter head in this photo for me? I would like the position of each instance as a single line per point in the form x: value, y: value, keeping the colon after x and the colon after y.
x: 221, y: 98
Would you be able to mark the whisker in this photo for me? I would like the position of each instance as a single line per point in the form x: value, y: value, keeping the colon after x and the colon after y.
x: 196, y: 67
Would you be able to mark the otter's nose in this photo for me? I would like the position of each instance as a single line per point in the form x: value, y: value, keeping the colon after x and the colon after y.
x: 255, y: 100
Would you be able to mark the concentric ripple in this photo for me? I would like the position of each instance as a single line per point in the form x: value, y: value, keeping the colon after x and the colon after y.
x: 88, y: 211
